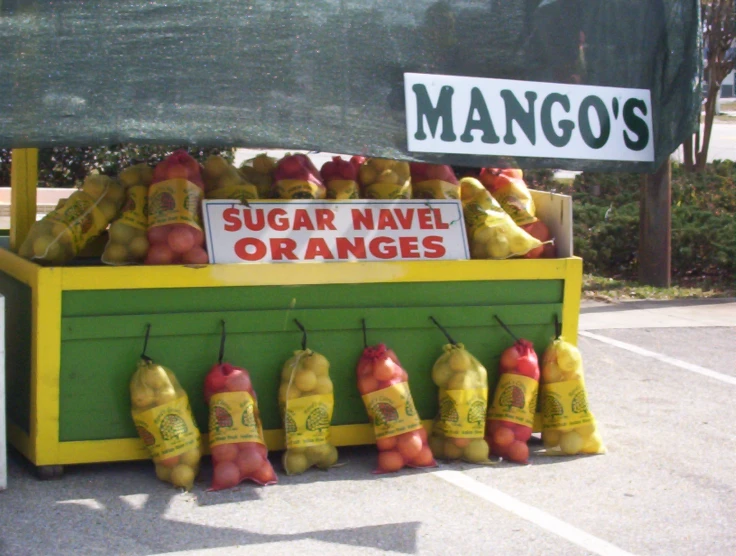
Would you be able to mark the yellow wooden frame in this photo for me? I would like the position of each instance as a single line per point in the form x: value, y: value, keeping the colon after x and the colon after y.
x: 42, y: 446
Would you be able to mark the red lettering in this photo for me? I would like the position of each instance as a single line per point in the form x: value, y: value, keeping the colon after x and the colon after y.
x: 409, y: 247
x: 257, y: 252
x: 282, y: 248
x: 382, y: 247
x: 433, y: 247
x: 254, y: 225
x: 325, y: 218
x: 439, y: 224
x: 346, y: 248
x: 362, y: 219
x: 317, y: 247
x: 282, y: 223
x: 302, y: 220
x: 386, y: 220
x: 425, y: 219
x: 232, y: 222
x: 405, y: 219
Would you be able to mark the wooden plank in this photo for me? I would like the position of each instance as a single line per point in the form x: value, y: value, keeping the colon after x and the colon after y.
x: 23, y: 180
x: 655, y: 227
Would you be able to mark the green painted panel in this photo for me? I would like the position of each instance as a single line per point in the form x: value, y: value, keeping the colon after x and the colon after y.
x: 131, y: 302
x: 99, y: 353
x: 18, y: 320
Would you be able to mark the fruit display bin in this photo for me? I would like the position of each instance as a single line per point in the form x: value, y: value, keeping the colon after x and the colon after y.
x: 75, y: 333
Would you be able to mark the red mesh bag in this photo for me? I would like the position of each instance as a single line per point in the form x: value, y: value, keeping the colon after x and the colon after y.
x: 174, y: 220
x: 400, y: 438
x: 341, y: 179
x: 296, y: 177
x: 238, y: 450
x: 433, y: 181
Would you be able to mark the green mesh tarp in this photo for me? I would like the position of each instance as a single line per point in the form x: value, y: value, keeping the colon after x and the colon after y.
x: 323, y: 75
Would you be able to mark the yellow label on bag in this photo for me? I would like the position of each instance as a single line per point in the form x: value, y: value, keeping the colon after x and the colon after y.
x: 307, y: 420
x: 481, y: 213
x: 135, y: 211
x: 234, y: 417
x: 435, y: 189
x: 174, y: 201
x: 298, y: 189
x: 565, y: 405
x: 242, y: 192
x: 168, y: 430
x: 515, y: 399
x: 78, y: 221
x: 517, y: 202
x: 342, y: 189
x: 392, y: 410
x: 382, y: 190
x: 462, y: 413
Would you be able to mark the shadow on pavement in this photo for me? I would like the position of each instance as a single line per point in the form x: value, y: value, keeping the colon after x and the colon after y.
x: 656, y: 304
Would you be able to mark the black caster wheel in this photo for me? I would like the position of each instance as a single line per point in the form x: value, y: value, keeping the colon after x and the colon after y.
x: 49, y: 472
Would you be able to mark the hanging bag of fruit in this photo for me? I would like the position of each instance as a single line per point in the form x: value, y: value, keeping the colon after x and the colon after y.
x: 458, y: 430
x: 64, y: 232
x: 492, y: 233
x: 568, y: 426
x: 433, y: 181
x: 164, y: 421
x: 306, y: 401
x: 511, y: 414
x: 223, y: 181
x: 128, y: 243
x: 381, y: 178
x: 507, y: 186
x: 174, y: 212
x: 238, y: 450
x: 296, y: 177
x: 259, y: 171
x: 384, y: 385
x: 341, y: 179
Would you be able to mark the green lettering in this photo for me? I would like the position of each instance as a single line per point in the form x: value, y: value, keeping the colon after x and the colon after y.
x: 548, y: 128
x: 433, y: 114
x: 483, y: 122
x: 515, y: 112
x: 604, y: 119
x: 636, y: 124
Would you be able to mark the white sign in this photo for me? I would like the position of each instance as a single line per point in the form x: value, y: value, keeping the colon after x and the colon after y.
x: 329, y: 231
x: 500, y: 117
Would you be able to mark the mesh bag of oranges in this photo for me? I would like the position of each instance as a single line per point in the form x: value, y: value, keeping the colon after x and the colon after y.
x: 238, y: 450
x: 64, y: 232
x: 128, y: 243
x: 306, y: 402
x: 259, y: 171
x: 491, y: 231
x: 568, y: 426
x: 164, y: 421
x: 400, y: 437
x: 296, y: 177
x: 223, y: 181
x: 458, y: 430
x: 381, y: 178
x: 433, y: 181
x: 341, y: 178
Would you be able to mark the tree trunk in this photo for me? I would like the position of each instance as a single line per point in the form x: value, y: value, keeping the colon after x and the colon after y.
x: 710, y: 108
x: 655, y: 228
x: 687, y: 154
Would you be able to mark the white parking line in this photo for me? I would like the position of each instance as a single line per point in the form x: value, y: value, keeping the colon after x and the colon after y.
x: 659, y: 357
x: 530, y: 513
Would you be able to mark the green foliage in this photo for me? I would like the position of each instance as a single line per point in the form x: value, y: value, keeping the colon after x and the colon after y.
x: 67, y: 166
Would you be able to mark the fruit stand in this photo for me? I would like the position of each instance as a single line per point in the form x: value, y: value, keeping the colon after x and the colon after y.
x: 75, y: 332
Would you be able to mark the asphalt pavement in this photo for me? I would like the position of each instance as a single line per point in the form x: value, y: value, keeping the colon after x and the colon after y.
x: 661, y: 378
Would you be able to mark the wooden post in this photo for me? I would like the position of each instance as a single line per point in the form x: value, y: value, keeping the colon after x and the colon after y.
x: 655, y: 227
x: 23, y: 180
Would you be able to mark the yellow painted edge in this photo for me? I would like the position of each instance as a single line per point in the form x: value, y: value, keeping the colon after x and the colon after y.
x: 46, y: 366
x: 127, y: 449
x: 571, y: 299
x: 18, y: 438
x: 17, y: 267
x: 228, y: 275
x: 23, y: 181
